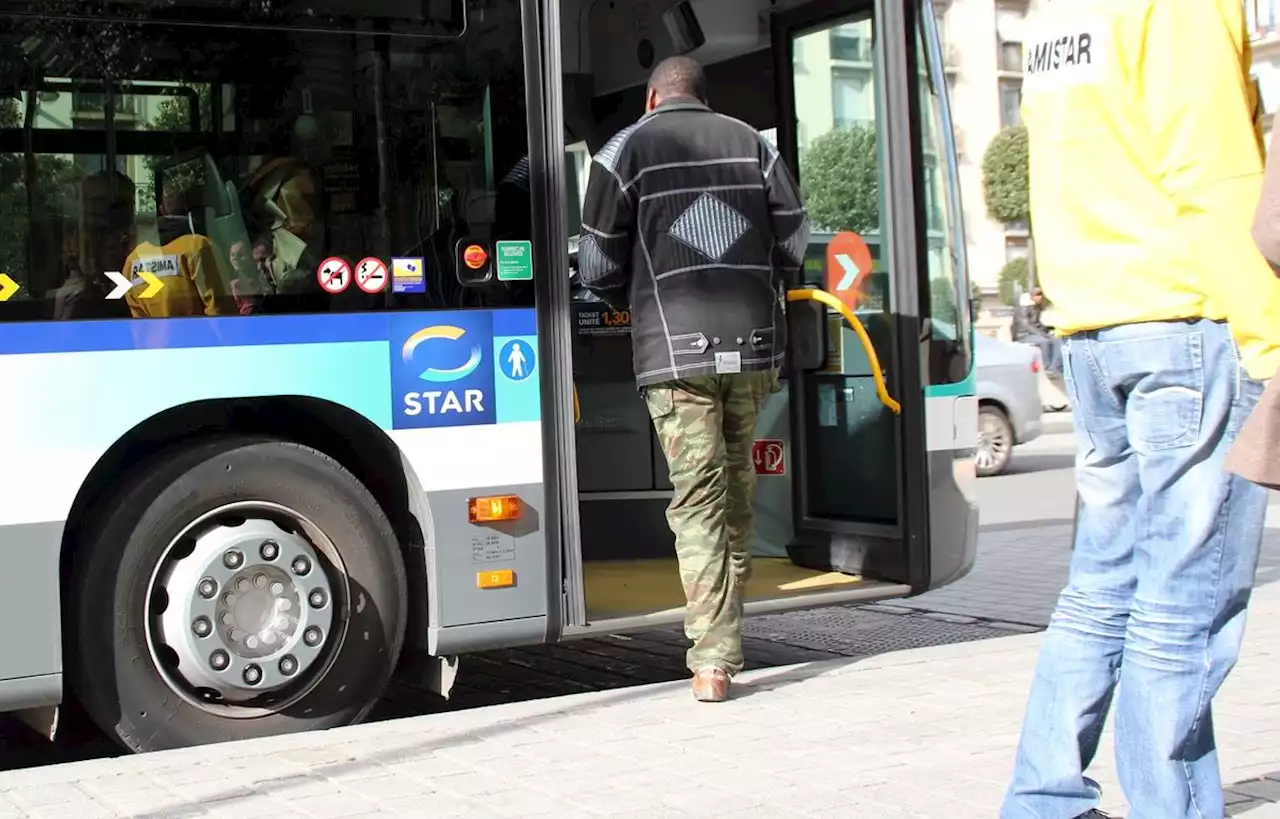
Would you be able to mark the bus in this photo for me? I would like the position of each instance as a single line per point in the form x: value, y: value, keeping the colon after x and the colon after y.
x: 299, y: 389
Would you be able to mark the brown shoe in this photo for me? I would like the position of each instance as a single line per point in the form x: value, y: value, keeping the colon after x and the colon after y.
x: 711, y: 685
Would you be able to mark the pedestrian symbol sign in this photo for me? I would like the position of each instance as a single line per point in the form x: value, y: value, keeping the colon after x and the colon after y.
x: 516, y: 360
x: 514, y: 261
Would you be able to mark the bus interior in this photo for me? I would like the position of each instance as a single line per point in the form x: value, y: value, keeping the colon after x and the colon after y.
x: 284, y: 144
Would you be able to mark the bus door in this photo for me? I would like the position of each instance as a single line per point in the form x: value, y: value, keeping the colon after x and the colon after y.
x: 847, y: 483
x: 849, y: 78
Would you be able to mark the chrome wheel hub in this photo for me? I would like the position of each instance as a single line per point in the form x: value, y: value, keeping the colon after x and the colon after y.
x: 250, y: 610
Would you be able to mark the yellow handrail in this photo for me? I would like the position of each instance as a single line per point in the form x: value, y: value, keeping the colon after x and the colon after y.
x: 822, y: 296
x: 882, y: 392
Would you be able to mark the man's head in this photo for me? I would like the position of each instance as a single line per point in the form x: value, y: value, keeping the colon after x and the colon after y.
x: 676, y: 77
x: 1037, y: 295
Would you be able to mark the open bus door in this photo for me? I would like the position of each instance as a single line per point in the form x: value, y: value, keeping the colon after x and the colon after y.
x: 860, y: 485
x: 852, y: 479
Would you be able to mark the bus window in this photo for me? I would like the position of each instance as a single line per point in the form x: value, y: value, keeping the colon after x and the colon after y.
x: 851, y: 464
x: 232, y: 162
x: 950, y: 354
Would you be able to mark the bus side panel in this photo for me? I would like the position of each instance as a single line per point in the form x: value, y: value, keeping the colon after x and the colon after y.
x: 486, y: 572
x: 79, y: 388
x: 951, y: 434
x: 30, y: 622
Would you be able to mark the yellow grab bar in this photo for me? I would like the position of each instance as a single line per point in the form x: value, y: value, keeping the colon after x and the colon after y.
x: 822, y: 296
x: 882, y: 392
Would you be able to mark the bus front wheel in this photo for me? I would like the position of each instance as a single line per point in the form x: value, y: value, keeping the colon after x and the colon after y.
x: 235, y: 588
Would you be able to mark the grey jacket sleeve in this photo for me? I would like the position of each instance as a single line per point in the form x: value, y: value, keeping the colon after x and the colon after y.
x: 1266, y: 219
x: 608, y: 231
x: 787, y: 213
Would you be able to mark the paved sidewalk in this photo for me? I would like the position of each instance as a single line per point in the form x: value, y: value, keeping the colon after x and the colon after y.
x: 926, y: 733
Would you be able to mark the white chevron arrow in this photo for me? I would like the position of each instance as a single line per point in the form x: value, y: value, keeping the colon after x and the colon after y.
x: 122, y: 284
x: 851, y: 271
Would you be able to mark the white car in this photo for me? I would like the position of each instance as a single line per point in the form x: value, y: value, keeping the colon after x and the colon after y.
x: 1010, y: 409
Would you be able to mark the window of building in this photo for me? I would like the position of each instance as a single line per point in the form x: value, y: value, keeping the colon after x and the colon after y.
x: 850, y: 43
x: 1010, y: 26
x: 1010, y: 103
x: 852, y: 101
x: 1011, y: 56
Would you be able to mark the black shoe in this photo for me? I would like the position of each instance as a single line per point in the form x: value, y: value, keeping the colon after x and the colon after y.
x: 1095, y: 814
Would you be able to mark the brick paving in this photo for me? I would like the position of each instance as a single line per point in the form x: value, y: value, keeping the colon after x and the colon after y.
x: 920, y: 733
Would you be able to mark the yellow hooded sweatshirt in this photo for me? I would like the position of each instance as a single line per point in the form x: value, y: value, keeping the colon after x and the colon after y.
x: 1146, y: 159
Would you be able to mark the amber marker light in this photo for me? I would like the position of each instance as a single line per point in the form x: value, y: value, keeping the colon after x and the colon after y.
x: 498, y: 579
x: 493, y: 509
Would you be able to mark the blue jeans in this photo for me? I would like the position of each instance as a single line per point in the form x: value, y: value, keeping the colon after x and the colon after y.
x: 1165, y: 555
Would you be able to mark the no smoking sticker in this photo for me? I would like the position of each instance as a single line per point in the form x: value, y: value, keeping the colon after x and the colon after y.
x: 334, y: 275
x: 371, y: 275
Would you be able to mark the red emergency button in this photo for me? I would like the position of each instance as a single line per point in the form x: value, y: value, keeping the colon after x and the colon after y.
x: 475, y: 257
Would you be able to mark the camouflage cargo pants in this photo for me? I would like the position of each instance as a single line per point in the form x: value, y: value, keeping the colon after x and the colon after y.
x: 705, y: 425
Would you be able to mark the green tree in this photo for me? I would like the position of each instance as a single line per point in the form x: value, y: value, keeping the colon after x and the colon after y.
x: 1012, y: 276
x: 942, y: 294
x: 841, y: 180
x: 1005, y: 179
x: 1006, y: 184
x: 173, y: 115
x: 57, y: 196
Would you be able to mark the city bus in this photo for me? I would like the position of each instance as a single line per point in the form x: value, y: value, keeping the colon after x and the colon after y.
x: 300, y: 391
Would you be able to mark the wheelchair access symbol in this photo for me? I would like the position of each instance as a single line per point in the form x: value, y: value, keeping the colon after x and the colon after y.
x: 769, y: 456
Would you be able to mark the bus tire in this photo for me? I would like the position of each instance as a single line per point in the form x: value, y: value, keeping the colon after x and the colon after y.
x: 147, y: 638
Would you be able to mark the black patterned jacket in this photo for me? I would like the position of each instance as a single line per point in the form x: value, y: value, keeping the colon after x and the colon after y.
x: 692, y: 222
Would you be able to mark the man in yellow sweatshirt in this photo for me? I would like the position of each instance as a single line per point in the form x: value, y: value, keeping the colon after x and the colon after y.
x: 1146, y: 166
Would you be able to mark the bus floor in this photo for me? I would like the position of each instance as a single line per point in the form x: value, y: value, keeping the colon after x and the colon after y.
x: 622, y: 588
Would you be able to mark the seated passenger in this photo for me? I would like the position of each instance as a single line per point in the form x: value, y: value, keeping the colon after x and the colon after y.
x: 186, y: 265
x: 101, y: 243
x: 284, y: 199
x: 254, y: 280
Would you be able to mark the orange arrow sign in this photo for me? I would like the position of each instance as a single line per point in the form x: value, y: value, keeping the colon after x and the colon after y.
x: 848, y: 261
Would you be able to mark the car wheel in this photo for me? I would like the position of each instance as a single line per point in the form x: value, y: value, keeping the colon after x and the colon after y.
x: 995, y: 441
x: 235, y: 588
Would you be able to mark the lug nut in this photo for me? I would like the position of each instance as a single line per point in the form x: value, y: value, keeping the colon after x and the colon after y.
x: 312, y: 636
x: 270, y: 550
x: 208, y: 587
x: 232, y: 559
x: 317, y: 598
x: 252, y: 674
x: 288, y: 665
x: 202, y: 627
x: 300, y: 565
x: 219, y: 660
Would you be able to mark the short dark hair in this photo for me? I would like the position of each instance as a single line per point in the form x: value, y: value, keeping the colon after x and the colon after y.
x: 679, y: 77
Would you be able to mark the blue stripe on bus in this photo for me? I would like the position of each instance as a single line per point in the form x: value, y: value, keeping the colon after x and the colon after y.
x: 226, y: 331
x: 186, y: 333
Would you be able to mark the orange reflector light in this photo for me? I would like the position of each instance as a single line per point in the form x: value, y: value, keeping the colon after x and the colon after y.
x: 475, y: 257
x: 498, y: 507
x: 500, y: 579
